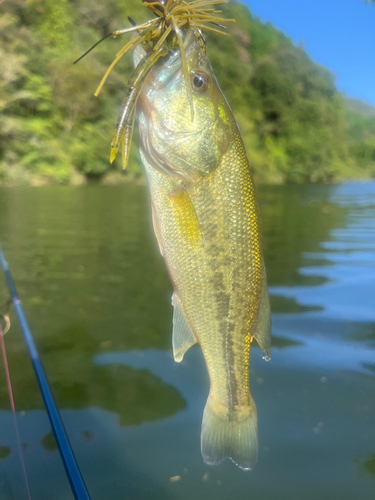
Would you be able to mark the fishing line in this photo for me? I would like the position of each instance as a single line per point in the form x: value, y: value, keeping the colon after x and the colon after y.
x: 72, y: 470
x: 11, y: 400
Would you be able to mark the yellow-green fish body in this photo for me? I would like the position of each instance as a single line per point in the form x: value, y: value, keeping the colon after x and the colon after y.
x: 206, y: 219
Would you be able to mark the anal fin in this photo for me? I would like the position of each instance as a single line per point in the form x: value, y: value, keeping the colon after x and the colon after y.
x: 182, y: 338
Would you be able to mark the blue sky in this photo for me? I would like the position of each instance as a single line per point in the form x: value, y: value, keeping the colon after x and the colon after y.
x: 338, y: 34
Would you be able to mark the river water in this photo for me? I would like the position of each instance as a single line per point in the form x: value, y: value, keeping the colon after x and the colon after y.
x: 97, y: 297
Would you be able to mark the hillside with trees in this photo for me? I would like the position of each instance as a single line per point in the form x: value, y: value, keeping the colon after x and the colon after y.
x: 296, y: 126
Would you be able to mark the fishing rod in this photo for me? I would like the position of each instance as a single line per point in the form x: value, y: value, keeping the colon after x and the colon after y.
x: 75, y: 478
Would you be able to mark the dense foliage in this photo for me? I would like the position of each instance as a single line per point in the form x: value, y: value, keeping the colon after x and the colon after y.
x: 295, y: 124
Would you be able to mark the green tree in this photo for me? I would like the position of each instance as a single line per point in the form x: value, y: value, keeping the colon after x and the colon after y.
x: 295, y: 124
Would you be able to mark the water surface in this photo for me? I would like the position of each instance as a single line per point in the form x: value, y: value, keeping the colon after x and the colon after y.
x: 97, y: 296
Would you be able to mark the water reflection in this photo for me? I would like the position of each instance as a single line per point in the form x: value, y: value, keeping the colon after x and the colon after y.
x: 367, y: 465
x: 49, y: 442
x: 4, y: 452
x: 97, y: 295
x: 296, y: 220
x: 369, y: 366
x: 78, y: 383
x: 289, y: 305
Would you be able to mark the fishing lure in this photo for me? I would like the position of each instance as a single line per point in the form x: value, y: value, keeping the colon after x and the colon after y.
x: 157, y: 36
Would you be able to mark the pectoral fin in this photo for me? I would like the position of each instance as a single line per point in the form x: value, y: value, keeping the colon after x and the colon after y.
x: 186, y: 217
x: 262, y: 331
x: 182, y: 338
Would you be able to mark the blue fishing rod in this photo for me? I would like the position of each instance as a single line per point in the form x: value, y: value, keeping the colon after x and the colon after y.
x: 75, y: 478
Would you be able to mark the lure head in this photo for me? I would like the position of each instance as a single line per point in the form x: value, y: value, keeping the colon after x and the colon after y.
x: 172, y: 140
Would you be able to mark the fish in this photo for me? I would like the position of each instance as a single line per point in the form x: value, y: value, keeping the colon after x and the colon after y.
x: 207, y: 223
x: 204, y: 211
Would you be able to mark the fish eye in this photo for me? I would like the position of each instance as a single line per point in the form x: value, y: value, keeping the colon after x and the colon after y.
x: 200, y: 82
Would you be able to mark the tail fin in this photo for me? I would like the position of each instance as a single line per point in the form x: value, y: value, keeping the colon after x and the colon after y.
x: 232, y: 435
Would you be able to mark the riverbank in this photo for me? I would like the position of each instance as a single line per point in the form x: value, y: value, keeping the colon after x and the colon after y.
x: 118, y: 178
x: 111, y: 178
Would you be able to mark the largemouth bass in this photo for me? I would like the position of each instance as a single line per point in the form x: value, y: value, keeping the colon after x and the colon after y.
x: 206, y: 220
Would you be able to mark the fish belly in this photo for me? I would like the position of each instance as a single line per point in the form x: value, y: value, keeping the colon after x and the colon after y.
x: 209, y: 235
